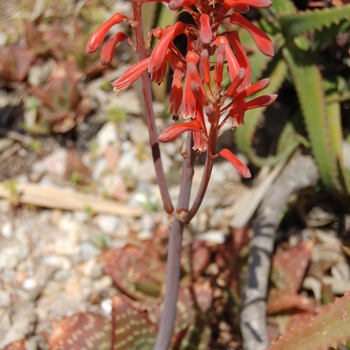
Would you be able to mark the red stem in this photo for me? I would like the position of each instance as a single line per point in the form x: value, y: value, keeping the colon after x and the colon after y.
x: 167, y: 321
x: 147, y: 96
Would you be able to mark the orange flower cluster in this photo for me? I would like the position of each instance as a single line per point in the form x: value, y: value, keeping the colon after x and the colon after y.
x: 205, y: 105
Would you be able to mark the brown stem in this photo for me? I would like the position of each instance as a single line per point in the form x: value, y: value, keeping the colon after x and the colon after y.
x: 152, y: 130
x: 174, y: 254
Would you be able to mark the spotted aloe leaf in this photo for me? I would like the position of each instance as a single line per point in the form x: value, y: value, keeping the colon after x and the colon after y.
x: 139, y: 271
x: 131, y: 327
x: 289, y: 266
x: 329, y: 328
x: 135, y: 271
x: 300, y: 23
x: 308, y: 82
x: 81, y: 331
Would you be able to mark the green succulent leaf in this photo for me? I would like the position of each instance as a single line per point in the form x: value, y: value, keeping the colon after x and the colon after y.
x: 324, y: 37
x: 308, y: 82
x: 303, y: 22
x: 335, y: 130
x: 280, y: 7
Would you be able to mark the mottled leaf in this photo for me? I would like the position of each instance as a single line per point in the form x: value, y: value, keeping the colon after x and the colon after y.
x: 135, y: 271
x: 81, y: 331
x: 328, y: 328
x: 131, y: 327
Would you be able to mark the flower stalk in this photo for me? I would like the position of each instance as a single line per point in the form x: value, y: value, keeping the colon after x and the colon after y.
x: 203, y: 103
x: 147, y: 97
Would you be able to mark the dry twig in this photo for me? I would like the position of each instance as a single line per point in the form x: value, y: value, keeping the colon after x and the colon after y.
x: 300, y: 172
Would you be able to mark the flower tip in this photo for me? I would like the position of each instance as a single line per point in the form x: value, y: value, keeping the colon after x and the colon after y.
x: 246, y: 174
x: 241, y: 168
x: 273, y: 97
x: 116, y: 91
x: 91, y: 45
x: 175, y: 131
x: 96, y: 39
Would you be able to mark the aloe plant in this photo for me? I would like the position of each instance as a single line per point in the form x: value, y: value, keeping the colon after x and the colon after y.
x: 330, y: 327
x: 297, y: 59
x: 139, y: 273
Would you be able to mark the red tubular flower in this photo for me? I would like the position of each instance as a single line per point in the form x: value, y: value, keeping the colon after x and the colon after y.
x: 131, y: 75
x: 259, y: 4
x: 160, y: 50
x: 210, y: 112
x: 242, y: 169
x: 241, y: 56
x: 108, y: 50
x: 231, y: 59
x: 236, y: 82
x: 175, y: 131
x: 176, y: 4
x: 206, y: 34
x: 241, y: 9
x: 200, y: 116
x: 205, y: 64
x: 159, y: 75
x: 96, y: 39
x: 219, y: 65
x: 173, y: 4
x: 238, y: 110
x: 194, y: 74
x: 197, y: 91
x: 189, y: 100
x: 199, y: 143
x: 262, y: 41
x: 251, y: 90
x: 175, y: 99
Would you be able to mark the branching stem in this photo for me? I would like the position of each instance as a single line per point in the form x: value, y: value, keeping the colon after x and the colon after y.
x: 208, y: 167
x: 174, y: 253
x: 147, y: 96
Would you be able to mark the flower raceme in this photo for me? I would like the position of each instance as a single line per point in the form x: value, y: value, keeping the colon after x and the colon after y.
x: 203, y: 101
